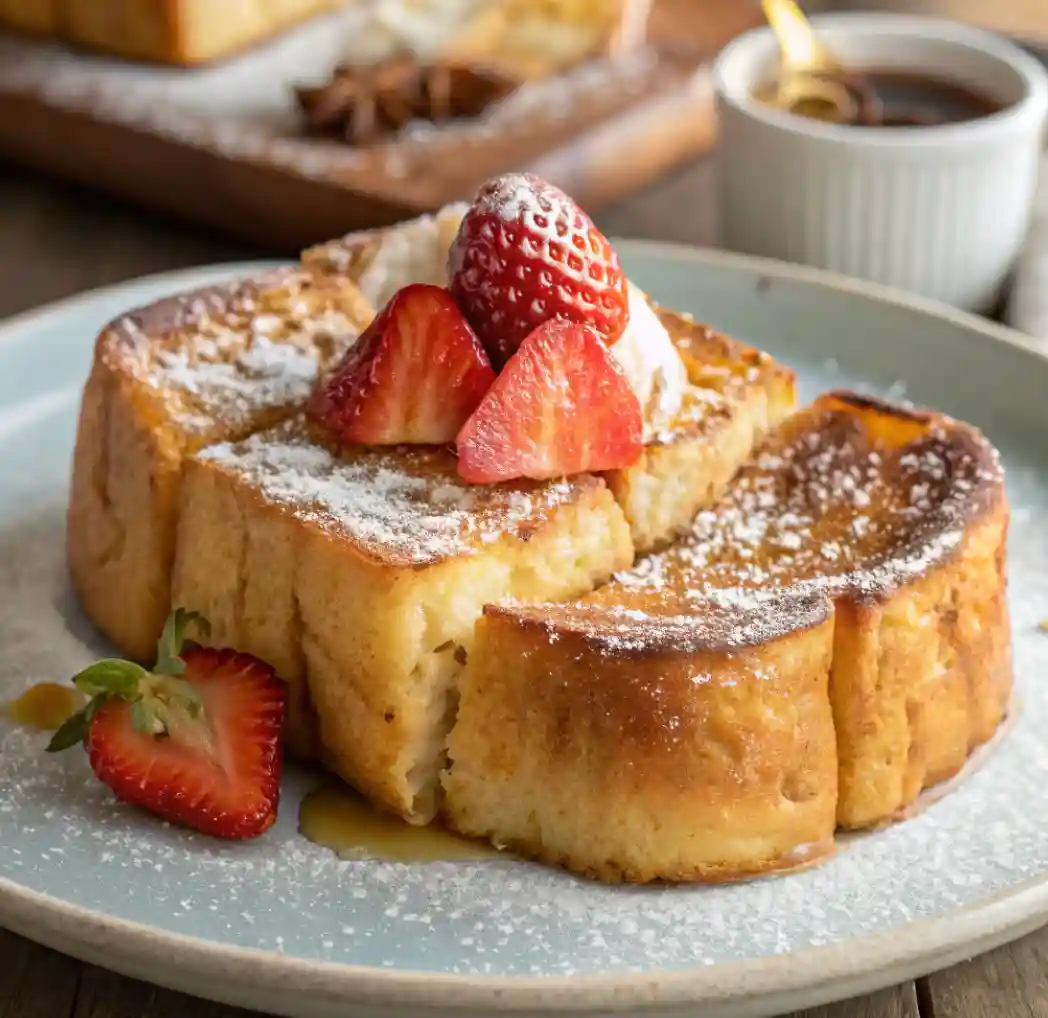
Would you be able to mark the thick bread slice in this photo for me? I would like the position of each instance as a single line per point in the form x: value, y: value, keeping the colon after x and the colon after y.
x: 896, y: 518
x: 901, y: 517
x: 167, y: 380
x: 360, y: 575
x: 698, y: 749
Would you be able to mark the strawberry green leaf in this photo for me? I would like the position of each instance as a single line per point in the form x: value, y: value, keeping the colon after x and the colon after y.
x: 74, y: 730
x: 70, y: 734
x: 169, y: 647
x: 110, y: 677
x: 142, y: 719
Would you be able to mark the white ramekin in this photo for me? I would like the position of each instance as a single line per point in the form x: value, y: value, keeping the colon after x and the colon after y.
x: 939, y: 211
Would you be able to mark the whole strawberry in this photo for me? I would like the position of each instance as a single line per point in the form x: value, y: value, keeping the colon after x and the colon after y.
x: 197, y: 740
x: 525, y: 254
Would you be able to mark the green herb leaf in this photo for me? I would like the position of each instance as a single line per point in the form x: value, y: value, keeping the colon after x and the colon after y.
x: 110, y: 677
x: 168, y: 661
x: 71, y: 733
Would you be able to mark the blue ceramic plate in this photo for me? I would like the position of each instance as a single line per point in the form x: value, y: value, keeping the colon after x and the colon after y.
x: 284, y: 926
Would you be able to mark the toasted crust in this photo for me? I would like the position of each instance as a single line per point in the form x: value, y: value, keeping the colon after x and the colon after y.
x: 894, y: 522
x: 166, y: 31
x: 167, y: 380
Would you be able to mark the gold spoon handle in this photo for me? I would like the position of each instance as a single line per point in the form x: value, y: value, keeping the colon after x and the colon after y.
x: 801, y: 49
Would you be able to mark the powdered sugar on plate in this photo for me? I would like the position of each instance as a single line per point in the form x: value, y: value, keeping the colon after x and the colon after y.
x: 63, y: 835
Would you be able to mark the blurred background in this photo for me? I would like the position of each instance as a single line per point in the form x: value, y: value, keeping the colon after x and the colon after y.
x: 129, y: 145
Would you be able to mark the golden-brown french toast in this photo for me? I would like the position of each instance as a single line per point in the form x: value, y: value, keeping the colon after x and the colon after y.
x: 359, y: 574
x: 540, y: 558
x: 167, y: 380
x: 827, y: 641
x: 219, y: 366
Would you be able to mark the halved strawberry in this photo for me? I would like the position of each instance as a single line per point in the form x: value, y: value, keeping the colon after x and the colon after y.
x: 414, y: 376
x: 561, y: 406
x: 526, y: 253
x: 197, y: 741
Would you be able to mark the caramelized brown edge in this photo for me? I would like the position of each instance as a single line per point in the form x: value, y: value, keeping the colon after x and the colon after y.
x: 149, y: 323
x: 706, y: 627
x: 721, y: 627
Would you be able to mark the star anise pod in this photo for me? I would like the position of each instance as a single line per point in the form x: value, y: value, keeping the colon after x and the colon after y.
x: 364, y: 104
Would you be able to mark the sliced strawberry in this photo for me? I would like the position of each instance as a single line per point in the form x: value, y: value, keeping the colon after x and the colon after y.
x: 561, y: 406
x: 414, y: 376
x: 197, y: 741
x: 526, y: 253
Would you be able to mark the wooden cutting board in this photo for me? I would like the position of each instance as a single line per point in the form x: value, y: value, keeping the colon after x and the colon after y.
x: 221, y: 145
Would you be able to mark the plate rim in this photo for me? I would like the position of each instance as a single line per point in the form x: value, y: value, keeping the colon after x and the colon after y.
x: 856, y: 965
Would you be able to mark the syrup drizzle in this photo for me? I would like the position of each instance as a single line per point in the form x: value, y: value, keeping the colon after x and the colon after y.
x: 45, y: 707
x: 335, y: 817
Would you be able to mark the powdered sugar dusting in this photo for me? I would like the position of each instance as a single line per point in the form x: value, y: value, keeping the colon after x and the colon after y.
x: 65, y: 835
x: 831, y: 509
x: 823, y: 510
x: 405, y: 505
x: 225, y: 359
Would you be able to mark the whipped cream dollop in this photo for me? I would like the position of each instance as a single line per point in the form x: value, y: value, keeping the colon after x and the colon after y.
x: 417, y: 252
x: 412, y: 252
x: 651, y: 364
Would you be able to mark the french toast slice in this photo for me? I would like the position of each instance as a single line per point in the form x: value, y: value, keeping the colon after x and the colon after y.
x: 359, y: 574
x: 166, y: 381
x: 183, y: 32
x: 827, y: 641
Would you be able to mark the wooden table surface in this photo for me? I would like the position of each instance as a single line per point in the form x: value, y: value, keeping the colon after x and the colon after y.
x: 55, y: 241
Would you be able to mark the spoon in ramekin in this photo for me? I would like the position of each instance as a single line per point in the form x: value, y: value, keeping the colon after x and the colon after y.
x: 811, y: 82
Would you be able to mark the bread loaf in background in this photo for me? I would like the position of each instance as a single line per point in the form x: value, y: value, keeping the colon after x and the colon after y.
x: 166, y: 31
